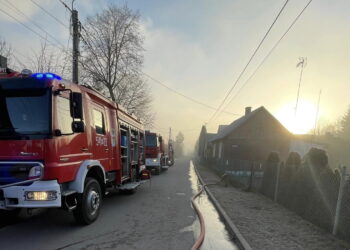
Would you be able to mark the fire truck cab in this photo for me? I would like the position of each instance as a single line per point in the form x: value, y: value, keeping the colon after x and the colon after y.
x: 64, y: 145
x: 157, y: 158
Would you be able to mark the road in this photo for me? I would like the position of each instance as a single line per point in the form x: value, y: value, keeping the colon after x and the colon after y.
x: 158, y: 216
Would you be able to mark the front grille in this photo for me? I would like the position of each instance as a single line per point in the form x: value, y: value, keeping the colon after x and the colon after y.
x: 13, y: 172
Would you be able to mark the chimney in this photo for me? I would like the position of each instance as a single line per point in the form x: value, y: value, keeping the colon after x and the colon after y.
x: 248, y: 110
x: 3, y: 62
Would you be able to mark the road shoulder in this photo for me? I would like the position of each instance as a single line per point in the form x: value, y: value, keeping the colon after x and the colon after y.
x: 265, y: 224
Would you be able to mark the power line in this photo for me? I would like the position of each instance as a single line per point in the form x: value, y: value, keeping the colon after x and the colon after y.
x: 185, y: 130
x: 18, y: 61
x: 249, y: 61
x: 184, y: 96
x: 48, y: 13
x: 270, y: 52
x: 35, y: 24
x: 29, y: 28
x: 66, y: 6
x: 66, y: 57
x: 87, y: 42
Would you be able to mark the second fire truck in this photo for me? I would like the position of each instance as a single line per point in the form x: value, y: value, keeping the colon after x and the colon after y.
x: 159, y: 156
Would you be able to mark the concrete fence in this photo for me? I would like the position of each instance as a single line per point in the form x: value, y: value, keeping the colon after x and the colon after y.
x: 309, y: 187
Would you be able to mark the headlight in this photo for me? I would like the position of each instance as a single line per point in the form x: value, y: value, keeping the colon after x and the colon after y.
x: 35, y: 172
x: 155, y: 160
x: 41, y: 195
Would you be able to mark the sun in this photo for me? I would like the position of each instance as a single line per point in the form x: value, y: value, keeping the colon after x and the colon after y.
x: 301, y: 122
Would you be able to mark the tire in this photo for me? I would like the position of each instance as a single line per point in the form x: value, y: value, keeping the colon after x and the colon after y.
x: 89, y: 206
x: 157, y: 171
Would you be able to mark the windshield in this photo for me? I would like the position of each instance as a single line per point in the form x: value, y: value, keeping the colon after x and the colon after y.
x: 151, y: 140
x: 24, y: 112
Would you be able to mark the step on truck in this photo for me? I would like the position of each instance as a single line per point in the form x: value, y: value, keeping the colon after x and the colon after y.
x: 159, y: 156
x: 64, y: 145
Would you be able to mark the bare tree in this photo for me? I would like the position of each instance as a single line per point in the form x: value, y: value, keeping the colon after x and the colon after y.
x: 325, y: 127
x: 49, y: 59
x: 344, y: 131
x: 112, y: 57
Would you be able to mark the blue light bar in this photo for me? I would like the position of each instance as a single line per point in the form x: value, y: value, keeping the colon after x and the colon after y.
x: 46, y: 75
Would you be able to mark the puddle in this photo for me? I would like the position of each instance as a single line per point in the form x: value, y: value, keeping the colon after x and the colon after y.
x: 187, y: 229
x: 216, y: 236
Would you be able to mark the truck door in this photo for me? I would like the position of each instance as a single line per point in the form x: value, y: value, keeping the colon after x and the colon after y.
x: 100, y: 135
x: 70, y: 149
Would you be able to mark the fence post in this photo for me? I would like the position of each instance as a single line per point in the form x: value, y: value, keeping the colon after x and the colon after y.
x: 277, y: 181
x: 340, y: 198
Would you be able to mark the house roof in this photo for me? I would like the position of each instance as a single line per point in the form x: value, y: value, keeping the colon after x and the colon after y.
x: 210, y: 136
x: 237, y: 123
x: 221, y: 127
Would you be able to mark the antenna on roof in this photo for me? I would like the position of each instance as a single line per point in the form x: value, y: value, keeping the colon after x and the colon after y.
x: 302, y: 63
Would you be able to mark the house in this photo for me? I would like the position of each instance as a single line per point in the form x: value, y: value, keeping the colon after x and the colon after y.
x: 250, y: 138
x: 204, y: 146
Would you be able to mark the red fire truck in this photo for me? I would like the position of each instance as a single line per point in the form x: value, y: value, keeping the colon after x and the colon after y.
x: 158, y: 155
x: 64, y: 145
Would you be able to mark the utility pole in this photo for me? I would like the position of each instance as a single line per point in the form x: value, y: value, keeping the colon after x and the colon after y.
x: 76, y: 39
x: 317, y: 111
x: 169, y: 135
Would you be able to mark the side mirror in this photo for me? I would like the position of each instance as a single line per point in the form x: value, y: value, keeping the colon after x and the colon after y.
x: 76, y: 105
x: 78, y: 126
x: 160, y: 139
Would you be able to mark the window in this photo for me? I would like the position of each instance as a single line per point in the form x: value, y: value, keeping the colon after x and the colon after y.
x: 99, y: 122
x: 151, y: 140
x: 63, y: 115
x: 24, y: 112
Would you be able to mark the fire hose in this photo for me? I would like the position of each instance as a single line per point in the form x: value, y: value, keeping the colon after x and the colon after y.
x: 201, y: 236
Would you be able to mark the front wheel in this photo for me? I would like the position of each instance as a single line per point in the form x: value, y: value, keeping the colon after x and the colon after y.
x: 90, y: 203
x: 157, y: 170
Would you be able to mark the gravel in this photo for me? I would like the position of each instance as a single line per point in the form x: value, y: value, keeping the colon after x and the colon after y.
x: 266, y: 224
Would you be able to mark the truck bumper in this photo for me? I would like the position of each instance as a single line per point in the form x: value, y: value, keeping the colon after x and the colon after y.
x: 152, y: 163
x: 15, y: 196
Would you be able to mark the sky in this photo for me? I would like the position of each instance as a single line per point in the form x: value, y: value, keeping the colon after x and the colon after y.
x: 199, y: 48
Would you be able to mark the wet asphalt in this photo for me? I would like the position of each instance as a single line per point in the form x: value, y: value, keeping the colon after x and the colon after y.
x: 157, y: 216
